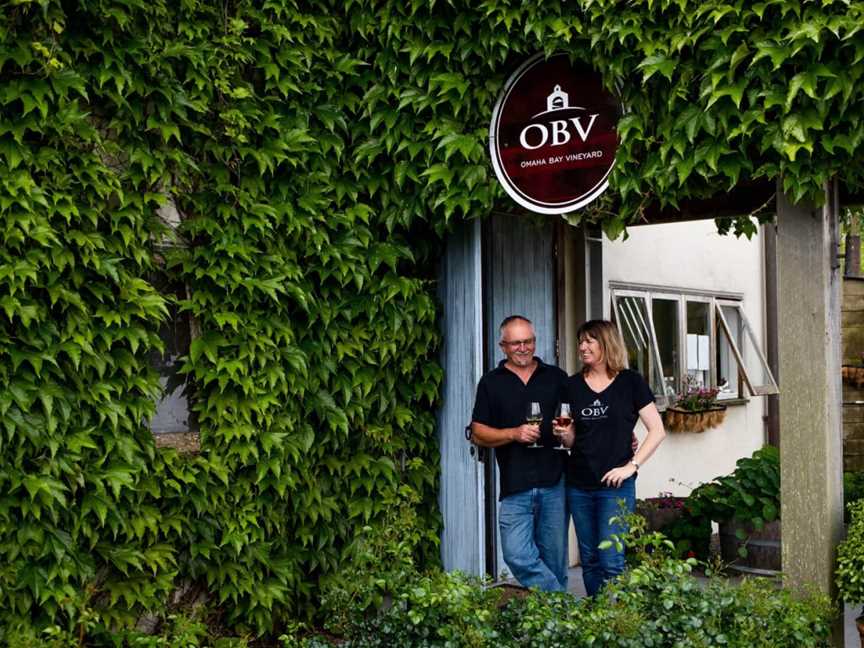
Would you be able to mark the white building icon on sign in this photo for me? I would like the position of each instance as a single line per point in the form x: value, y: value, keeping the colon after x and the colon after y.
x: 557, y: 100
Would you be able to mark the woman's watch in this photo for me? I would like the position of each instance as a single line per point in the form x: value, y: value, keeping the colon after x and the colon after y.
x: 635, y: 464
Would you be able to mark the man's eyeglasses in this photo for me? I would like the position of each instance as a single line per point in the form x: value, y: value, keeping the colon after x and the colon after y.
x: 515, y: 344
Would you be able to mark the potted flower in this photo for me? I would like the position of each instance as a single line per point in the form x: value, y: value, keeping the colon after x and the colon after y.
x: 850, y: 563
x: 660, y: 511
x: 695, y: 410
x: 674, y: 518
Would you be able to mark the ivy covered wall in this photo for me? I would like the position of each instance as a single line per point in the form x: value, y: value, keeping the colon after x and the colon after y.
x: 317, y: 152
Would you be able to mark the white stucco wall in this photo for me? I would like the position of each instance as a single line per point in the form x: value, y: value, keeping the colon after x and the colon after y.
x: 693, y: 256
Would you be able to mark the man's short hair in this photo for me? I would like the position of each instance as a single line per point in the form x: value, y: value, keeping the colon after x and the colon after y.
x: 512, y: 318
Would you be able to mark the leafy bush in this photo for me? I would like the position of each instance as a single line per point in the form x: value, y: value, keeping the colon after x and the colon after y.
x: 305, y: 266
x: 853, y: 490
x: 690, y: 534
x: 180, y: 629
x: 751, y: 493
x: 438, y: 610
x: 850, y: 557
x: 674, y: 518
x: 656, y: 603
x: 382, y: 559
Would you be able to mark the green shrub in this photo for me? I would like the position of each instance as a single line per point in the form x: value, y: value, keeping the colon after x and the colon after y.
x: 382, y: 559
x: 751, y: 493
x: 178, y: 629
x: 853, y: 490
x: 690, y: 533
x: 438, y: 610
x: 656, y: 603
x: 850, y: 557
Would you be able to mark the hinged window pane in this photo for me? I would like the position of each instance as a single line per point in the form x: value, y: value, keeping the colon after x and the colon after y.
x: 637, y: 328
x: 751, y: 362
x: 665, y: 315
x: 729, y: 380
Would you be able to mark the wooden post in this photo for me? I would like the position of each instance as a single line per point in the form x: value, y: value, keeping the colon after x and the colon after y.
x: 811, y: 443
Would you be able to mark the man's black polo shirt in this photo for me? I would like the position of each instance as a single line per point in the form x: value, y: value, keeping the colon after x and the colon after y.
x: 502, y: 400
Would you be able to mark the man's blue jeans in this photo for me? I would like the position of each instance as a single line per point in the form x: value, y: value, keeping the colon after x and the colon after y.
x: 533, y: 526
x: 591, y: 511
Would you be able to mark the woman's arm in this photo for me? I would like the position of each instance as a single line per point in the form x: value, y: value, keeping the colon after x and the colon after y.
x: 650, y: 418
x: 652, y: 421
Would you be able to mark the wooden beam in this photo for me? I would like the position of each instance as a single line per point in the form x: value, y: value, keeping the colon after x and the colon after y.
x: 745, y: 198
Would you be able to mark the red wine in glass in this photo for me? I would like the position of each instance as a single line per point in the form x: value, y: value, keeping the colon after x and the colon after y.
x: 562, y: 419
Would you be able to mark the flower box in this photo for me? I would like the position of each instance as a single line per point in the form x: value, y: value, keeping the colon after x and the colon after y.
x: 682, y: 420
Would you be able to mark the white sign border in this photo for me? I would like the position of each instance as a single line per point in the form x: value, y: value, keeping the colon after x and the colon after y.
x: 520, y: 197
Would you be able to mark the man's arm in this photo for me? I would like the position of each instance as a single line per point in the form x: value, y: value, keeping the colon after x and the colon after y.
x: 490, y: 437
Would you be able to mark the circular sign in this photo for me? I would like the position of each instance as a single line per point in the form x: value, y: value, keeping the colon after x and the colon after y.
x: 552, y: 136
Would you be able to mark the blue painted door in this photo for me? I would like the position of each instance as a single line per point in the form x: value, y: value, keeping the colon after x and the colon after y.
x: 519, y: 278
x: 504, y: 267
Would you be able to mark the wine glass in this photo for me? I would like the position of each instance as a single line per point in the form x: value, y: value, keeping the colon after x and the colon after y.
x: 562, y: 419
x: 534, y: 416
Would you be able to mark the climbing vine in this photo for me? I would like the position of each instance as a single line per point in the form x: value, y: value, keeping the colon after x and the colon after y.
x: 316, y: 153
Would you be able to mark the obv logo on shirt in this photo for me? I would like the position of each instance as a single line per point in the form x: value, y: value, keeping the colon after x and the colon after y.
x: 594, y: 410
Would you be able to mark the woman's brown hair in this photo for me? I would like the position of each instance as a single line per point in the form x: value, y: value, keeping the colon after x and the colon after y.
x: 606, y: 333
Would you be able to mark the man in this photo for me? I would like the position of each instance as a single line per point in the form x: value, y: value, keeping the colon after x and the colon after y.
x: 532, y: 517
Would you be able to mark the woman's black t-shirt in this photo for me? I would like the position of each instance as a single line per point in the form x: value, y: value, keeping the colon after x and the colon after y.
x: 604, y: 425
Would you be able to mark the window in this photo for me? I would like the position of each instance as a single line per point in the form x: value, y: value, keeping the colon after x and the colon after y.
x: 173, y: 423
x: 675, y: 338
x: 172, y: 409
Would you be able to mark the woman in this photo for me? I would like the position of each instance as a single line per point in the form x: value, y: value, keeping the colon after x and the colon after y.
x: 605, y: 401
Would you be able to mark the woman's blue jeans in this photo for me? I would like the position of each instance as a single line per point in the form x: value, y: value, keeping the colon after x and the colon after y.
x: 591, y: 511
x: 533, y: 526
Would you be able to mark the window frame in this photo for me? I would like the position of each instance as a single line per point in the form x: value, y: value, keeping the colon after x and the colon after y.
x: 716, y: 322
x: 187, y: 440
x: 757, y: 390
x: 654, y: 350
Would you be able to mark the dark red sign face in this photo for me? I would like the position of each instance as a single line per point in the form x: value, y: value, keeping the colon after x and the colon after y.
x: 552, y: 136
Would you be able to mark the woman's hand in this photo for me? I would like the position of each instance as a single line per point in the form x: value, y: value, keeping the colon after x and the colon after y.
x: 565, y: 434
x: 615, y: 477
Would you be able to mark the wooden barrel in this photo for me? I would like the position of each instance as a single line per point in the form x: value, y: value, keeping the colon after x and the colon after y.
x: 763, y: 547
